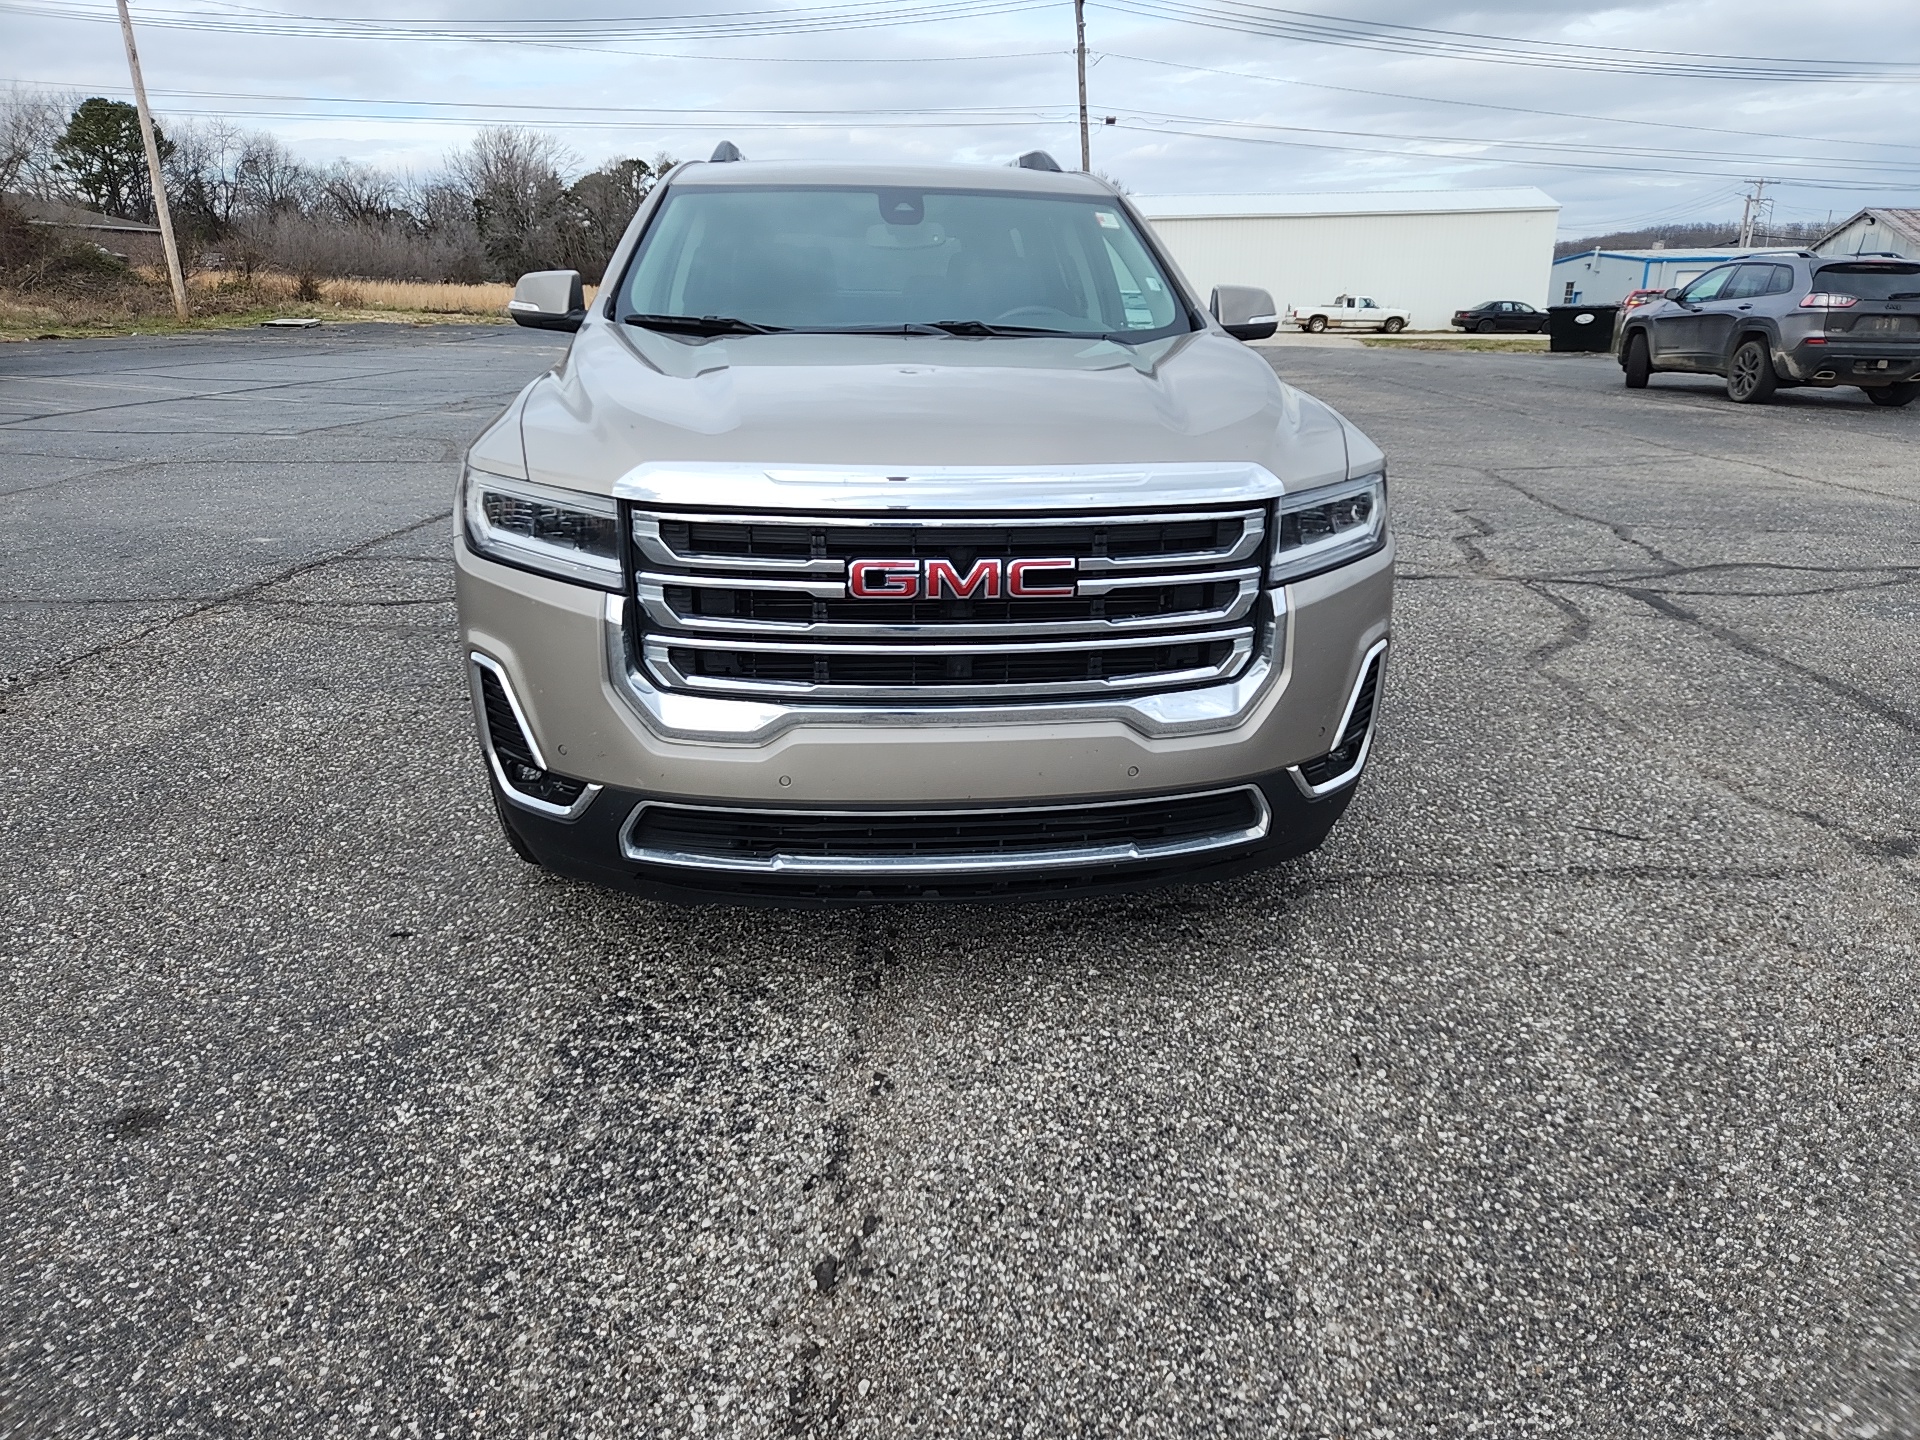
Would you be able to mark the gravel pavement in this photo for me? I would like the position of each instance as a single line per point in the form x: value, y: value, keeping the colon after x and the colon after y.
x: 1570, y: 1091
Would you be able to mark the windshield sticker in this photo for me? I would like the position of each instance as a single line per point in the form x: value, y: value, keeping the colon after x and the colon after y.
x: 1106, y: 219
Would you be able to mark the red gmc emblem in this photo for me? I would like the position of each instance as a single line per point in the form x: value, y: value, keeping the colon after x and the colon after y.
x: 985, y: 579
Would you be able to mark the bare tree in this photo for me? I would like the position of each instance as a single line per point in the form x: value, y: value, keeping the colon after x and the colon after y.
x: 513, y: 179
x: 30, y: 121
x: 599, y: 205
x: 203, y: 179
x: 271, y: 181
x: 358, y: 194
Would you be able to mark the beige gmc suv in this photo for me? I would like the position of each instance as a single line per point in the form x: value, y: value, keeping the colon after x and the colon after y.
x: 913, y: 533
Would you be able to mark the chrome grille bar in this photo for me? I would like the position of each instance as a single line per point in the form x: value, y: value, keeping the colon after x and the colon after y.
x: 662, y: 612
x: 757, y: 603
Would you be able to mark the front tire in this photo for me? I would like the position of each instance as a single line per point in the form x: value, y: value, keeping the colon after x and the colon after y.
x: 1750, y: 377
x: 1894, y: 396
x: 1394, y: 326
x: 1316, y: 325
x: 1639, y: 364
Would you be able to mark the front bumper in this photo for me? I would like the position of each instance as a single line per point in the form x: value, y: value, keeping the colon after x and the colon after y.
x: 563, y: 655
x: 603, y: 846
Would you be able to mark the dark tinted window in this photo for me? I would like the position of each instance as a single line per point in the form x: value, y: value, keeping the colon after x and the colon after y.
x: 1748, y: 281
x: 825, y: 258
x: 1870, y: 282
x: 1708, y: 286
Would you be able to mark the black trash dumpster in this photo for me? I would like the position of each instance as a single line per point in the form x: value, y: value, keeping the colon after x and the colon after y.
x: 1581, y: 327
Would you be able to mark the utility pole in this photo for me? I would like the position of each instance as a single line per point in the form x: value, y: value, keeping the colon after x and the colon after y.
x: 1080, y: 54
x: 1753, y: 212
x: 160, y: 210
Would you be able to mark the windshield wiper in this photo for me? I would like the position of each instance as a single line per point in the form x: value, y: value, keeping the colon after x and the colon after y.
x: 1905, y: 295
x: 909, y: 327
x: 935, y: 327
x: 982, y: 327
x: 703, y: 325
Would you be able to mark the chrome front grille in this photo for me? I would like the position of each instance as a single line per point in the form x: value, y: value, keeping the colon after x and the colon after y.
x: 760, y: 605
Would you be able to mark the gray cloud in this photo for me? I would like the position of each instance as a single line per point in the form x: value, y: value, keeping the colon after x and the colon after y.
x: 880, y: 93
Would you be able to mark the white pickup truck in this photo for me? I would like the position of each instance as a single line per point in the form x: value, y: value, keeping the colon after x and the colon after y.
x: 1349, y: 312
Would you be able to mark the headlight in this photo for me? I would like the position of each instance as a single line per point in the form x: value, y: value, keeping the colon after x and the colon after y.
x: 557, y: 532
x: 1331, y: 526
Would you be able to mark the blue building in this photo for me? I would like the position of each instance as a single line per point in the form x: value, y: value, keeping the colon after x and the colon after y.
x: 1606, y: 277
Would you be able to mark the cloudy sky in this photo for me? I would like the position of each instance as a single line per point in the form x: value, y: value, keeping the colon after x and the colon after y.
x: 1627, y: 115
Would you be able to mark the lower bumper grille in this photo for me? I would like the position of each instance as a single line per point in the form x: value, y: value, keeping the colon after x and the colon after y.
x: 944, y: 842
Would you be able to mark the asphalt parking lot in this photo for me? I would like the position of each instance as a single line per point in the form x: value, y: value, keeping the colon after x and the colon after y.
x: 1571, y: 1090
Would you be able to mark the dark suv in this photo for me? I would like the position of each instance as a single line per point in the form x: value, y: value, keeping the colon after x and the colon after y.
x: 1791, y: 318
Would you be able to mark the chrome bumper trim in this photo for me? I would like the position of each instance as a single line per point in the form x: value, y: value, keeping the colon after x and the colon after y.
x: 914, y: 490
x: 893, y: 867
x: 715, y: 720
x: 1347, y: 777
x: 477, y: 662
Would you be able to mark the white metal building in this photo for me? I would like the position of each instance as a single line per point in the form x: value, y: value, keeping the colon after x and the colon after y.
x: 1432, y: 251
x: 1605, y: 277
x: 1891, y: 232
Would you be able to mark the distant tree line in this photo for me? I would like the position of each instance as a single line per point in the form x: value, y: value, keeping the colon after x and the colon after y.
x: 510, y: 201
x: 1707, y: 235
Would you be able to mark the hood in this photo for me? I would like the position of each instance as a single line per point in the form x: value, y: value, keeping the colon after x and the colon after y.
x: 625, y: 396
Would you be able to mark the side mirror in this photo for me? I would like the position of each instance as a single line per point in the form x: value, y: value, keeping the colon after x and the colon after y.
x: 1244, y: 312
x: 549, y: 300
x: 1673, y: 294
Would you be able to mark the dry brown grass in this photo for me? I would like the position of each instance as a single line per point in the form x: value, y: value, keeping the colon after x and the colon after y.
x: 415, y: 297
x: 140, y: 301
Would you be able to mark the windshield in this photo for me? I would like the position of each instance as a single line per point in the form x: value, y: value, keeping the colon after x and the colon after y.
x: 1870, y: 282
x: 818, y: 258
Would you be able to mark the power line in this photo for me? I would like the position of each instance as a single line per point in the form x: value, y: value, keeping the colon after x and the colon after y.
x: 847, y: 15
x: 1238, y: 16
x: 616, y: 117
x: 1850, y: 142
x: 1857, y: 185
x: 1248, y: 19
x: 1570, y: 146
x: 702, y: 111
x: 1448, y: 36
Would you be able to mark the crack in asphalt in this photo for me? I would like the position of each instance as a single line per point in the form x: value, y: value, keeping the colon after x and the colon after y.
x: 258, y: 601
x: 299, y: 383
x: 1620, y: 532
x: 1895, y: 715
x: 819, y: 1392
x: 1634, y: 585
x: 1661, y: 603
x: 16, y: 684
x: 1468, y: 397
x: 1470, y: 874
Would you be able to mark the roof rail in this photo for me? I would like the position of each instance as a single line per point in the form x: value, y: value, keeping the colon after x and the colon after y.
x: 726, y: 151
x: 1038, y: 160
